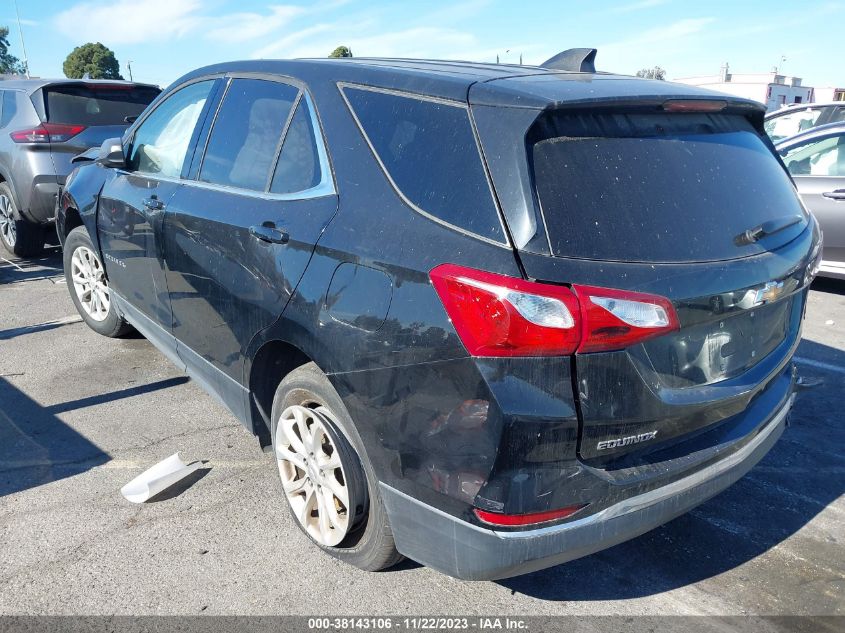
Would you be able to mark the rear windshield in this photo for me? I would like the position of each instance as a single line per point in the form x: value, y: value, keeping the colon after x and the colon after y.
x: 96, y: 105
x: 657, y: 187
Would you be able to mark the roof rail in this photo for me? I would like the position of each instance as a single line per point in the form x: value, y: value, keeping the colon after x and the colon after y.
x: 575, y: 60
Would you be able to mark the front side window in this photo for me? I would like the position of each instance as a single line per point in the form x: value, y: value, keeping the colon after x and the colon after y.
x: 787, y: 125
x: 245, y: 139
x: 817, y: 158
x: 161, y: 142
x: 428, y: 149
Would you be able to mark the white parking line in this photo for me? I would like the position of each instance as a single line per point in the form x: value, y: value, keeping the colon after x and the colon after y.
x: 13, y: 264
x: 820, y: 365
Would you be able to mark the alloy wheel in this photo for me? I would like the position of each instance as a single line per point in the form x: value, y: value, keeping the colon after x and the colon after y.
x: 312, y: 473
x: 89, y: 282
x: 7, y: 221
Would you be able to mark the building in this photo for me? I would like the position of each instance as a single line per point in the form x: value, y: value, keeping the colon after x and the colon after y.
x: 772, y: 89
x: 828, y: 94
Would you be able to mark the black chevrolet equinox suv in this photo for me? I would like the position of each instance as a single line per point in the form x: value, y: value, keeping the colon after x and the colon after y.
x: 492, y: 318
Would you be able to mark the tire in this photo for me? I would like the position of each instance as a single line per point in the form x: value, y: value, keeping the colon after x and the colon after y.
x: 18, y: 236
x: 88, y: 286
x: 368, y: 542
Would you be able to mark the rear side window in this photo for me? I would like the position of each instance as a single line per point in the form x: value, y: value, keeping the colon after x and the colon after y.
x: 824, y: 157
x: 9, y: 108
x: 298, y: 168
x: 428, y: 150
x: 656, y: 187
x: 245, y: 139
x: 96, y: 105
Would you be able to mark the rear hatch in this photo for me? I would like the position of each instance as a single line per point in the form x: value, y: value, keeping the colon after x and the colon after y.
x: 677, y: 197
x: 83, y: 115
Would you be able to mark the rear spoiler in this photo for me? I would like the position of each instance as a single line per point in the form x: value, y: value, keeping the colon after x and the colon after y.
x: 575, y: 60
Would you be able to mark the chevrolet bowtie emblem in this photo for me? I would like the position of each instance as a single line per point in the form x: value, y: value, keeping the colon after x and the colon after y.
x: 768, y: 293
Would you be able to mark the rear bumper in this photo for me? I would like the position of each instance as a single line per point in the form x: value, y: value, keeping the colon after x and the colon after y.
x: 42, y: 199
x: 466, y: 551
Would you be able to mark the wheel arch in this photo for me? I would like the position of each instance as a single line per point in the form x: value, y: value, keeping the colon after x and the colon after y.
x: 272, y: 361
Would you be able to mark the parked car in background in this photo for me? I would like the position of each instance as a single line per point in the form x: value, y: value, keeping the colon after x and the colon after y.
x: 816, y: 160
x: 481, y: 313
x: 793, y: 119
x: 44, y: 123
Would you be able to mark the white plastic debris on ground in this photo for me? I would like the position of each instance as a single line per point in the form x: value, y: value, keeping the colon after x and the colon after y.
x: 154, y: 480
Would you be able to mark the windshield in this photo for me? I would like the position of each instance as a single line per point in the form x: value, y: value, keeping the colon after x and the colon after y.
x: 96, y: 105
x: 658, y: 188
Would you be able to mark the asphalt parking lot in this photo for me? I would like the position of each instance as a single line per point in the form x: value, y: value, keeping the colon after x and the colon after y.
x: 80, y: 415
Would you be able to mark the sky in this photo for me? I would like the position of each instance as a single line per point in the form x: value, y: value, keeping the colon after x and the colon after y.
x: 163, y: 39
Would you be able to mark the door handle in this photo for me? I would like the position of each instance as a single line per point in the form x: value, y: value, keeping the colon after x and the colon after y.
x: 269, y: 233
x: 153, y: 203
x: 838, y: 194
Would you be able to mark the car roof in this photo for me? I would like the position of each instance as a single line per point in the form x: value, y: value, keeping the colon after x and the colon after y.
x: 793, y: 107
x: 31, y: 85
x: 479, y: 83
x: 819, y: 131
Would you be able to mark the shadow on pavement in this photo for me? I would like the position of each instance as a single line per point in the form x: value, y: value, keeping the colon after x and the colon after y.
x: 830, y: 286
x: 798, y: 479
x: 14, y: 270
x: 32, y: 329
x: 36, y: 447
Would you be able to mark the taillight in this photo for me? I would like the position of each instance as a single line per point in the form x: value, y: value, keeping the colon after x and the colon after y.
x: 511, y: 520
x: 47, y: 133
x: 616, y: 319
x: 497, y: 315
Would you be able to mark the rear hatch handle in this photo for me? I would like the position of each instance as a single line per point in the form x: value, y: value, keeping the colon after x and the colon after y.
x: 749, y: 236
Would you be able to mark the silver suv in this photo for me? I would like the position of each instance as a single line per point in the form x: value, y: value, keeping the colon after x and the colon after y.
x: 44, y: 123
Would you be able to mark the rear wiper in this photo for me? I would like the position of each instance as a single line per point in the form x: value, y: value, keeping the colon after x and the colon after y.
x: 771, y: 227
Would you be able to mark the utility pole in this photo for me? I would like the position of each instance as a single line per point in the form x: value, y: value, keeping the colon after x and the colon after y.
x: 23, y: 46
x: 129, y: 68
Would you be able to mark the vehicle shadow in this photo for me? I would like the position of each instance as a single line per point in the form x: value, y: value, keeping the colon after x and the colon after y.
x: 798, y: 479
x: 14, y: 270
x: 36, y: 447
x: 828, y: 285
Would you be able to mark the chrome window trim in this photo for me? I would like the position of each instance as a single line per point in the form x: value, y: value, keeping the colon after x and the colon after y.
x: 281, y: 143
x: 325, y: 187
x: 342, y: 85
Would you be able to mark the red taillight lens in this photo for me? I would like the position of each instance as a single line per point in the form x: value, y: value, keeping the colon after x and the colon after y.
x: 511, y: 520
x: 497, y: 315
x: 47, y: 133
x: 616, y: 319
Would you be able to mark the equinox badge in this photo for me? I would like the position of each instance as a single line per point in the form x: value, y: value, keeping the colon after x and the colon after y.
x: 625, y: 441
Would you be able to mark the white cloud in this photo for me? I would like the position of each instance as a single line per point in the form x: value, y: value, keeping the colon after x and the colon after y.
x: 128, y: 21
x: 241, y: 27
x: 367, y: 39
x: 12, y: 22
x: 637, y: 6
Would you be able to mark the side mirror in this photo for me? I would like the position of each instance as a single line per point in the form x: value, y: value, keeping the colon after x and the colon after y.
x: 111, y: 154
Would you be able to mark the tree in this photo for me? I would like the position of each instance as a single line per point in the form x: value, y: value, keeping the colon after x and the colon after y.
x: 341, y: 51
x: 95, y: 59
x: 652, y: 73
x: 9, y: 64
